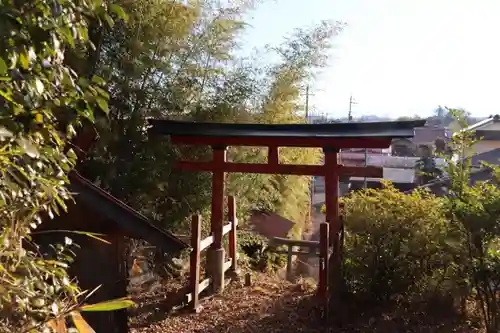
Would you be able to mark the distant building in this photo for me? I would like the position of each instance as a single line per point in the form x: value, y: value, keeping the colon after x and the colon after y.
x: 486, y: 150
x: 488, y: 130
x: 441, y: 187
x: 399, y: 161
x: 425, y: 137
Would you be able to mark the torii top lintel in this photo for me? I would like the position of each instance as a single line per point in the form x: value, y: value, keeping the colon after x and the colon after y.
x: 332, y: 135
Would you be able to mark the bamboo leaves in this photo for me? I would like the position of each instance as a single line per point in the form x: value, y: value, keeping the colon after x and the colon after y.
x: 58, y: 325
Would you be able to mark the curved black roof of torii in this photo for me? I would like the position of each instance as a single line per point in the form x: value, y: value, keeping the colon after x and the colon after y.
x: 386, y: 129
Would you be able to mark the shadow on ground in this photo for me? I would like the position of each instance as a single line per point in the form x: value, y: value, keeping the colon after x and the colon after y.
x: 424, y: 316
x: 302, y: 314
x: 273, y: 307
x: 156, y: 307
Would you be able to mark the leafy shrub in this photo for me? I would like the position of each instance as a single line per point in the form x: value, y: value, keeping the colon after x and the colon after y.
x: 395, y: 243
x: 399, y: 244
x: 259, y: 256
x: 474, y: 214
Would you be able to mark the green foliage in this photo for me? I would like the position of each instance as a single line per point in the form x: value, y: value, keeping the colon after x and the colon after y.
x: 180, y: 62
x: 166, y: 62
x: 416, y: 244
x: 257, y: 253
x: 473, y: 211
x: 395, y: 243
x: 42, y: 101
x: 302, y: 55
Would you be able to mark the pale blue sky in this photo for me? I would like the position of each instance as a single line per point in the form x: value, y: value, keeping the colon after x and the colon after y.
x: 397, y: 57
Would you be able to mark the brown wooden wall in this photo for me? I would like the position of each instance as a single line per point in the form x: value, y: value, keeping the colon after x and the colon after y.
x: 103, y: 264
x: 96, y: 263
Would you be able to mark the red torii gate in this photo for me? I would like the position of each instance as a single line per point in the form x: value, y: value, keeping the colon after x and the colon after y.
x: 330, y: 137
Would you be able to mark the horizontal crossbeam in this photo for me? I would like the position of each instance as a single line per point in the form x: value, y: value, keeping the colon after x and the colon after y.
x: 295, y: 242
x: 284, y: 169
x: 311, y: 142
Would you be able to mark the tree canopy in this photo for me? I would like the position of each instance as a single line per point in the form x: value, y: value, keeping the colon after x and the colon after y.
x: 180, y: 62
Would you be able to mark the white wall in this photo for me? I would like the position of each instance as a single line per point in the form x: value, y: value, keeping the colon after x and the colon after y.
x: 385, y: 161
x: 394, y: 175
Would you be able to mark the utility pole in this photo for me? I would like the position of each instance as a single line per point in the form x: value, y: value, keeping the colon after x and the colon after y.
x: 308, y: 94
x: 307, y: 103
x: 351, y: 102
x: 307, y: 108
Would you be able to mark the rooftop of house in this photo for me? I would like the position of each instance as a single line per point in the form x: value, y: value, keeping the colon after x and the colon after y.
x: 486, y: 129
x: 483, y: 123
x: 429, y: 134
x: 440, y: 187
x: 490, y: 157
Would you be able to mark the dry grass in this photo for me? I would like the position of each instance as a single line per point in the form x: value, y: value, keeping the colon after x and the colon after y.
x: 274, y: 305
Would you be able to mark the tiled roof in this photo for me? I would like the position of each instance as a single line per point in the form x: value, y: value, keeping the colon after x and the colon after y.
x: 482, y: 123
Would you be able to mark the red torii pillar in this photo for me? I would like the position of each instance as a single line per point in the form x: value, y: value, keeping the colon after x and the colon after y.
x: 332, y: 190
x: 333, y: 219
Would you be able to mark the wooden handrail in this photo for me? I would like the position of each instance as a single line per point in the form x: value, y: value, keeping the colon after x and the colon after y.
x: 206, y: 242
x: 295, y: 242
x: 199, y: 245
x: 195, y: 259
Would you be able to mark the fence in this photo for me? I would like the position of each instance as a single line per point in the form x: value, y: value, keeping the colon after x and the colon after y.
x: 219, y: 265
x: 319, y: 249
x: 295, y: 247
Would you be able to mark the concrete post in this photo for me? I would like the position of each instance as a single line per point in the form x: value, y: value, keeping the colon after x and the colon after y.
x: 217, y: 258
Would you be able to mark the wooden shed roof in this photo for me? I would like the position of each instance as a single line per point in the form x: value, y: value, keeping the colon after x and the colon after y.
x: 125, y: 217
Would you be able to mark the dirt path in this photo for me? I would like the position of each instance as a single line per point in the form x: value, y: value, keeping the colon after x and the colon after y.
x: 272, y: 305
x: 269, y: 305
x: 309, y: 266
